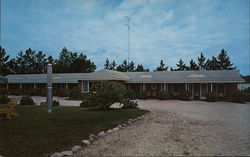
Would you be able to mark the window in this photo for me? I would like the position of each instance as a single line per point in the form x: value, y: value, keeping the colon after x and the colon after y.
x: 153, y: 86
x: 85, y: 86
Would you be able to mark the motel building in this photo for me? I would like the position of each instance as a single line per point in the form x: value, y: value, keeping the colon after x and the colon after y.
x: 223, y: 82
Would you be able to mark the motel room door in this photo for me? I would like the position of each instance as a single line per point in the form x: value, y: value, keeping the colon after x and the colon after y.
x: 203, y: 91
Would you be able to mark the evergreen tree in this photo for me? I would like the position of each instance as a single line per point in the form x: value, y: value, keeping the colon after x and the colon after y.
x: 107, y: 64
x: 193, y: 65
x: 81, y: 65
x: 4, y: 63
x: 122, y: 67
x: 112, y: 66
x: 181, y: 66
x: 161, y: 67
x: 40, y: 62
x: 201, y: 62
x: 131, y: 67
x: 212, y: 64
x: 224, y: 61
x: 26, y: 63
x: 69, y: 62
x: 50, y: 60
x: 140, y: 68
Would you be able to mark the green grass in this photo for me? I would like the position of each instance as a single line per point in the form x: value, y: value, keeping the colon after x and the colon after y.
x: 37, y: 133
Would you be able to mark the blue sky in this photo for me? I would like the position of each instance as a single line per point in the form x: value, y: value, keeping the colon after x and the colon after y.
x: 160, y: 29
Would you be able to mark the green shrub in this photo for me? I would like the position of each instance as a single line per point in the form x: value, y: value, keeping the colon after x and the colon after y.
x: 240, y: 96
x: 128, y: 104
x: 4, y: 99
x: 31, y: 92
x: 89, y: 100
x: 16, y: 92
x: 26, y: 101
x: 110, y: 93
x: 3, y: 91
x: 185, y: 95
x: 56, y: 103
x: 143, y: 95
x: 211, y: 96
x: 74, y: 94
x: 163, y: 95
x: 62, y: 93
x: 130, y: 94
x: 43, y: 92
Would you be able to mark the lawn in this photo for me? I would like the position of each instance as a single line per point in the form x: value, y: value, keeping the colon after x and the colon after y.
x: 37, y: 133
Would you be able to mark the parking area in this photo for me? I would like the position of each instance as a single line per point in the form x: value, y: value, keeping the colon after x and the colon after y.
x: 181, y: 128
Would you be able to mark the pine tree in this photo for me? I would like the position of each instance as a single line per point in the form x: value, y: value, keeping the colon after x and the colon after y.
x: 224, y: 61
x: 161, y: 67
x: 71, y: 62
x: 193, y: 65
x: 181, y: 66
x: 107, y: 64
x: 122, y: 67
x: 4, y: 63
x: 140, y: 68
x: 131, y: 66
x: 201, y: 62
x: 212, y: 64
x: 112, y: 66
x: 24, y: 63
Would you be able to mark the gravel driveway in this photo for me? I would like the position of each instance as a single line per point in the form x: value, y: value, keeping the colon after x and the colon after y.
x: 181, y: 128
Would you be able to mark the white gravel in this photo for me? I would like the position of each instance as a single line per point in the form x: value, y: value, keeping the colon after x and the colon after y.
x: 180, y: 128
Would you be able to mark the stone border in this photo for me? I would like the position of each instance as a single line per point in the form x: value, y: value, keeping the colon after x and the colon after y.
x: 93, y: 137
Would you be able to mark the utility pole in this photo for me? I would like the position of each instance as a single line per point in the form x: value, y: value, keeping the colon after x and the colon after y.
x: 128, y: 26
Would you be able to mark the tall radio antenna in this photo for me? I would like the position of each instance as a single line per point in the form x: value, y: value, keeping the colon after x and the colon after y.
x: 128, y: 26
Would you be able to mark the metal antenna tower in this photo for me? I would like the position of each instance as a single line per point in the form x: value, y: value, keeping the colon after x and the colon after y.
x: 128, y: 26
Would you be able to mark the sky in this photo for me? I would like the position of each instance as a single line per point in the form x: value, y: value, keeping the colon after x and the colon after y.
x: 159, y: 29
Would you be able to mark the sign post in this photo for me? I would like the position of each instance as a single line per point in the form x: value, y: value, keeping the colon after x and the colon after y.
x: 49, y: 88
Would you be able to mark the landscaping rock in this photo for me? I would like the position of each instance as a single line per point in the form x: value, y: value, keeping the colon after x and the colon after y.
x: 124, y: 125
x: 93, y: 137
x: 109, y: 131
x: 76, y: 148
x: 129, y: 123
x: 116, y: 129
x: 57, y: 155
x: 101, y: 134
x: 67, y: 153
x: 87, y: 142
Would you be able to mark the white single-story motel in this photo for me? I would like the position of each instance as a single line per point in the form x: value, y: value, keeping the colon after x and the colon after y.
x: 222, y: 82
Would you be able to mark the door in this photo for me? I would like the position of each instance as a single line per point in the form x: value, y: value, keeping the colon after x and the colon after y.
x: 203, y: 91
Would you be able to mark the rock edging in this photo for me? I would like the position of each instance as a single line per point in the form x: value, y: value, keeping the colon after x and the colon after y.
x: 93, y: 137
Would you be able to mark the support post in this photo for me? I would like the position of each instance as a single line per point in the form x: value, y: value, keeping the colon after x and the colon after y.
x: 21, y: 86
x: 211, y: 87
x: 49, y: 88
x: 185, y: 86
x: 143, y: 87
x: 34, y: 86
x: 67, y: 86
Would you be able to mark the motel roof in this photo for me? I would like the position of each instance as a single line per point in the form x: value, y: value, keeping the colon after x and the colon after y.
x: 213, y: 76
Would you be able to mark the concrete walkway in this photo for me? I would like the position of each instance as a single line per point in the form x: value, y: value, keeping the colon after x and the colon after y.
x: 181, y: 128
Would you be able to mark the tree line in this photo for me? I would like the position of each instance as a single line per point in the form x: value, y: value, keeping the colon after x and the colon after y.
x: 221, y: 62
x: 32, y: 62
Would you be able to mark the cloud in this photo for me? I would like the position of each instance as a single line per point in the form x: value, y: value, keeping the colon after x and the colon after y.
x: 160, y: 29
